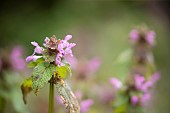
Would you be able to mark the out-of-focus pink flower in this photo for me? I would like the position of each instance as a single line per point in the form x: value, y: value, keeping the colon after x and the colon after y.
x: 155, y: 77
x: 145, y: 87
x: 145, y: 98
x: 72, y: 61
x: 32, y: 58
x: 134, y: 100
x: 139, y: 81
x: 78, y: 94
x: 106, y: 95
x: 85, y: 105
x: 59, y: 100
x: 17, y: 61
x: 37, y: 49
x: 134, y: 35
x: 142, y: 84
x: 117, y: 84
x: 150, y: 37
x: 93, y: 64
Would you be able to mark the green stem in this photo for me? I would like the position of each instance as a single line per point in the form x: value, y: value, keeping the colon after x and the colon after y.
x: 51, y: 97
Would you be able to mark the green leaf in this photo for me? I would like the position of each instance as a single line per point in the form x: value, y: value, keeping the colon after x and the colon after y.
x: 26, y: 87
x: 63, y: 71
x: 33, y: 64
x: 42, y: 73
x: 124, y: 57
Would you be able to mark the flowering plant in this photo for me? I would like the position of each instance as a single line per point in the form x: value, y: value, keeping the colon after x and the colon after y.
x: 50, y: 66
x: 133, y: 95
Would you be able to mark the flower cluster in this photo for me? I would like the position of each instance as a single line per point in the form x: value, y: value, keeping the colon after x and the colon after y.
x: 137, y: 36
x: 57, y: 49
x: 143, y: 86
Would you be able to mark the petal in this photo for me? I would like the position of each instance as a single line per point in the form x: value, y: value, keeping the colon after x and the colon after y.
x: 134, y: 36
x: 155, y: 77
x: 32, y: 58
x: 68, y: 37
x: 71, y: 45
x: 116, y: 83
x: 139, y: 81
x: 34, y: 43
x: 46, y: 40
x: 38, y: 50
x: 145, y: 98
x: 150, y: 37
x: 134, y: 100
x: 67, y: 50
x: 29, y: 58
x: 85, y: 105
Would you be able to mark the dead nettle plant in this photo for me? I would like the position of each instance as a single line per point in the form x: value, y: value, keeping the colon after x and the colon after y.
x: 133, y: 95
x: 50, y: 66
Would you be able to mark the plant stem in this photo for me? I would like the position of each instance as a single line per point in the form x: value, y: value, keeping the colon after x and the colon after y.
x: 51, y: 97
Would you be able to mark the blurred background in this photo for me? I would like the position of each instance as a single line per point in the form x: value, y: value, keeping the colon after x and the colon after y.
x: 101, y: 31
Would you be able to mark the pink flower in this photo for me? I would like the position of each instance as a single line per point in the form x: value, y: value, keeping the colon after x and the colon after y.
x: 17, y: 61
x: 68, y: 50
x: 106, y: 95
x: 72, y: 61
x: 144, y: 85
x: 134, y: 35
x: 59, y: 100
x: 85, y: 105
x: 155, y: 77
x: 32, y: 58
x: 150, y: 37
x: 139, y: 81
x: 94, y: 64
x: 78, y: 94
x: 47, y: 40
x: 117, y: 84
x: 134, y: 100
x: 58, y: 59
x: 145, y: 98
x: 37, y: 49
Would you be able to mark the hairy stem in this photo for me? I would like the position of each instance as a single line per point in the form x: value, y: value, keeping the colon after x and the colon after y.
x: 51, y: 97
